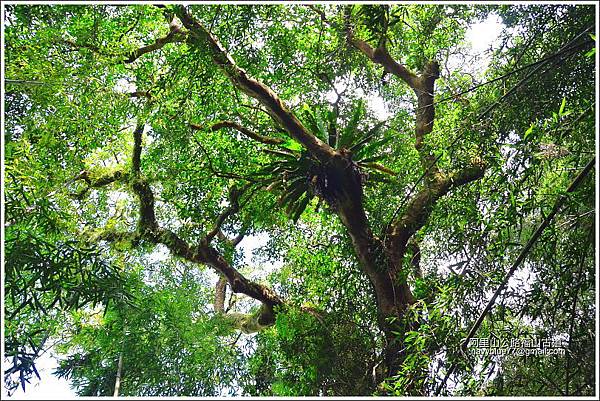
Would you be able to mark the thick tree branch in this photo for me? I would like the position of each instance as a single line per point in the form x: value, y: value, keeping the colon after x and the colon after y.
x: 421, y: 205
x: 392, y: 295
x: 139, y: 94
x: 220, y: 291
x: 233, y: 242
x: 422, y: 85
x: 348, y: 197
x: 249, y: 133
x: 246, y: 322
x: 175, y: 35
x: 238, y: 238
x: 96, y: 182
x: 101, y: 181
x: 383, y: 169
x: 467, y: 175
x: 381, y: 56
x: 200, y: 254
x: 149, y: 230
x: 201, y: 36
x: 425, y: 117
x: 415, y: 259
x: 137, y: 148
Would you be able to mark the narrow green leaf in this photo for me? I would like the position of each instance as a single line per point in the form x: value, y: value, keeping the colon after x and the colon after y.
x: 562, y: 107
x: 529, y: 131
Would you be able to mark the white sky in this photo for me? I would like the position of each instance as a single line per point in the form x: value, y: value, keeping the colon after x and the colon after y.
x: 480, y: 35
x: 49, y: 388
x: 484, y: 34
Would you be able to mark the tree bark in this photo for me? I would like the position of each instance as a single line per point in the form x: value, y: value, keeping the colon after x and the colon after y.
x: 220, y: 292
x: 202, y: 37
x: 381, y: 260
x: 395, y: 297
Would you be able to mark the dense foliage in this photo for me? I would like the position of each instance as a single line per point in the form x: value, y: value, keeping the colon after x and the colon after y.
x: 297, y: 200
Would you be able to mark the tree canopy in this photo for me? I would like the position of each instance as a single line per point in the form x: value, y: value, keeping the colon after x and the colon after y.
x: 279, y: 200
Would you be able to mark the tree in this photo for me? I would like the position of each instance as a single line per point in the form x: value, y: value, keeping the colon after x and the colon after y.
x: 132, y: 130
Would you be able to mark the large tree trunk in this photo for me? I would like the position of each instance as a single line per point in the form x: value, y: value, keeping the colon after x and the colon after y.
x: 382, y: 267
x: 380, y: 260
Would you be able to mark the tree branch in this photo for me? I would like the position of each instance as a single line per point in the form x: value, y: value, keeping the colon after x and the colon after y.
x: 233, y: 208
x: 233, y: 242
x: 238, y: 238
x: 415, y: 259
x: 379, y: 167
x: 425, y: 117
x: 422, y: 85
x: 137, y: 148
x: 201, y: 37
x: 98, y: 182
x: 250, y: 134
x: 149, y: 230
x: 381, y: 56
x: 139, y: 94
x: 348, y: 202
x: 93, y: 48
x: 246, y: 322
x: 220, y: 291
x: 421, y: 205
x: 175, y: 35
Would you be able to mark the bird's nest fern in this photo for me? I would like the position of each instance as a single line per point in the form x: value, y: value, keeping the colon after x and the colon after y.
x: 298, y: 177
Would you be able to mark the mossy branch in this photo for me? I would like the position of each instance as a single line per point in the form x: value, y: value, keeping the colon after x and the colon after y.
x: 200, y: 36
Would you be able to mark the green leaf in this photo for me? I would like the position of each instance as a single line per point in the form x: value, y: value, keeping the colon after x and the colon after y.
x: 292, y: 145
x: 591, y: 53
x: 300, y: 207
x: 321, y: 126
x: 562, y: 107
x: 350, y: 131
x: 529, y: 131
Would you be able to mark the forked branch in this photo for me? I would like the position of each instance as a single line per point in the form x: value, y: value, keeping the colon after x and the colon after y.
x: 175, y: 35
x: 380, y: 56
x: 148, y: 229
x: 421, y: 205
x: 422, y: 85
x: 203, y: 38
